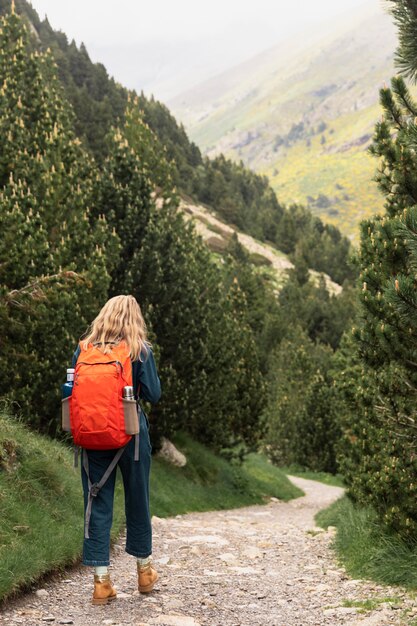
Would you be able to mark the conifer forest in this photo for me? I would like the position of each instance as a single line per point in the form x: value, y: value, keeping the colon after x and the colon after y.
x: 92, y: 176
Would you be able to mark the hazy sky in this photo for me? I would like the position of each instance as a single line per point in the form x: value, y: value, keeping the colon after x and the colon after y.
x: 167, y: 45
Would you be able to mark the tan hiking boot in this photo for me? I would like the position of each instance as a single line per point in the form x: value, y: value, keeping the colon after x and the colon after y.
x: 103, y: 589
x: 147, y: 577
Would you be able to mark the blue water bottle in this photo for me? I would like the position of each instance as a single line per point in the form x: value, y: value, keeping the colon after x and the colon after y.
x: 67, y: 387
x: 65, y: 402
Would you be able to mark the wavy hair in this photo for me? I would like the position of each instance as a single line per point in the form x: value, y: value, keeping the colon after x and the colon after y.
x: 120, y: 319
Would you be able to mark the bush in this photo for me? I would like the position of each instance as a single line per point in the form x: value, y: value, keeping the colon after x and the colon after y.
x: 318, y: 427
x: 302, y: 426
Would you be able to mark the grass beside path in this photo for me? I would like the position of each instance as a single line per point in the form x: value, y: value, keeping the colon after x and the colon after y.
x: 41, y: 520
x: 208, y: 482
x: 366, y: 548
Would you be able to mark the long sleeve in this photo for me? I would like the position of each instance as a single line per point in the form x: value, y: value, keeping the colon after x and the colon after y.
x: 75, y: 356
x: 146, y: 379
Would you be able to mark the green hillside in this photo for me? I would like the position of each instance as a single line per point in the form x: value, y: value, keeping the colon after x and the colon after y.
x: 304, y: 114
x: 268, y: 262
x: 41, y: 497
x: 238, y: 195
x: 98, y: 224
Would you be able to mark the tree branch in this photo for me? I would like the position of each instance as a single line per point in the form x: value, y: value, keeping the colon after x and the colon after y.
x: 36, y: 290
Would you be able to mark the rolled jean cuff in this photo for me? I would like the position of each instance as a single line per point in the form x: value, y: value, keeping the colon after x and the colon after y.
x: 95, y: 563
x: 138, y: 555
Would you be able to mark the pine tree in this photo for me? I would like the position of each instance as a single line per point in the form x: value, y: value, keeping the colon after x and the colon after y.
x: 238, y: 344
x: 379, y: 371
x: 195, y: 319
x: 297, y: 364
x: 53, y: 255
x: 405, y: 16
x: 303, y: 408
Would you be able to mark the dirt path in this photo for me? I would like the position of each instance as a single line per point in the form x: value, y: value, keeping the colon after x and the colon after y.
x: 264, y: 565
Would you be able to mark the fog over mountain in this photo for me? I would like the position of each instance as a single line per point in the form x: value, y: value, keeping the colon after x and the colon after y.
x: 303, y: 113
x: 167, y: 68
x: 166, y: 48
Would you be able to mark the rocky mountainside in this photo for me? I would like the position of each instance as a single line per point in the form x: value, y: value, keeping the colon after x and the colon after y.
x: 266, y: 258
x: 303, y: 113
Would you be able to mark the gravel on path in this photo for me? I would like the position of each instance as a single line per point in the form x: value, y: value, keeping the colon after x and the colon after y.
x: 262, y: 565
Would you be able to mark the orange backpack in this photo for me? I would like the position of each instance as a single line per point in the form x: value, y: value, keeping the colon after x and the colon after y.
x: 97, y: 412
x: 96, y: 403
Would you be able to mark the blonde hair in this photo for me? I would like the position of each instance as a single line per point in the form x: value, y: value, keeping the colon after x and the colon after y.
x: 120, y: 319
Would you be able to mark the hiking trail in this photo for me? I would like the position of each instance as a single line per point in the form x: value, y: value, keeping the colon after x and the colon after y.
x: 266, y: 565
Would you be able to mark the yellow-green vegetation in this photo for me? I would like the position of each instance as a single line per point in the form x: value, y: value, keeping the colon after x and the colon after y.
x: 366, y: 548
x: 303, y: 113
x: 41, y: 522
x: 336, y: 178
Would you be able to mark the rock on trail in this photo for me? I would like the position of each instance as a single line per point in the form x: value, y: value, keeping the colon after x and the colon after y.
x: 262, y: 565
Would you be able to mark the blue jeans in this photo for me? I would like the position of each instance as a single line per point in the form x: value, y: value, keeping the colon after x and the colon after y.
x: 135, y: 474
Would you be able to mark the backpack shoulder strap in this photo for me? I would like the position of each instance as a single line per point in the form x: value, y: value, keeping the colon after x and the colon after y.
x: 93, y: 489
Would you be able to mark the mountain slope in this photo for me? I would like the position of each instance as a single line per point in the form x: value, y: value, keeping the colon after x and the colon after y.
x: 217, y: 235
x: 303, y: 114
x: 240, y: 196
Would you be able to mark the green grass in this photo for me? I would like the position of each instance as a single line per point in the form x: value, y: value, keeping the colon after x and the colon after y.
x: 371, y: 604
x: 208, y: 482
x: 41, y: 521
x: 366, y: 548
x: 336, y: 480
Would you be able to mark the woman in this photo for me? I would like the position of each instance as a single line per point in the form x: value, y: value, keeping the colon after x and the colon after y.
x: 121, y: 320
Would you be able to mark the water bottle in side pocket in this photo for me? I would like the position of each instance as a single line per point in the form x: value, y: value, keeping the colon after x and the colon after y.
x: 66, y: 394
x: 130, y: 411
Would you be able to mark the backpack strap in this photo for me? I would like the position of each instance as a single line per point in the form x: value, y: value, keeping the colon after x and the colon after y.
x: 139, y: 411
x: 93, y: 489
x: 136, y: 457
x: 76, y: 455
